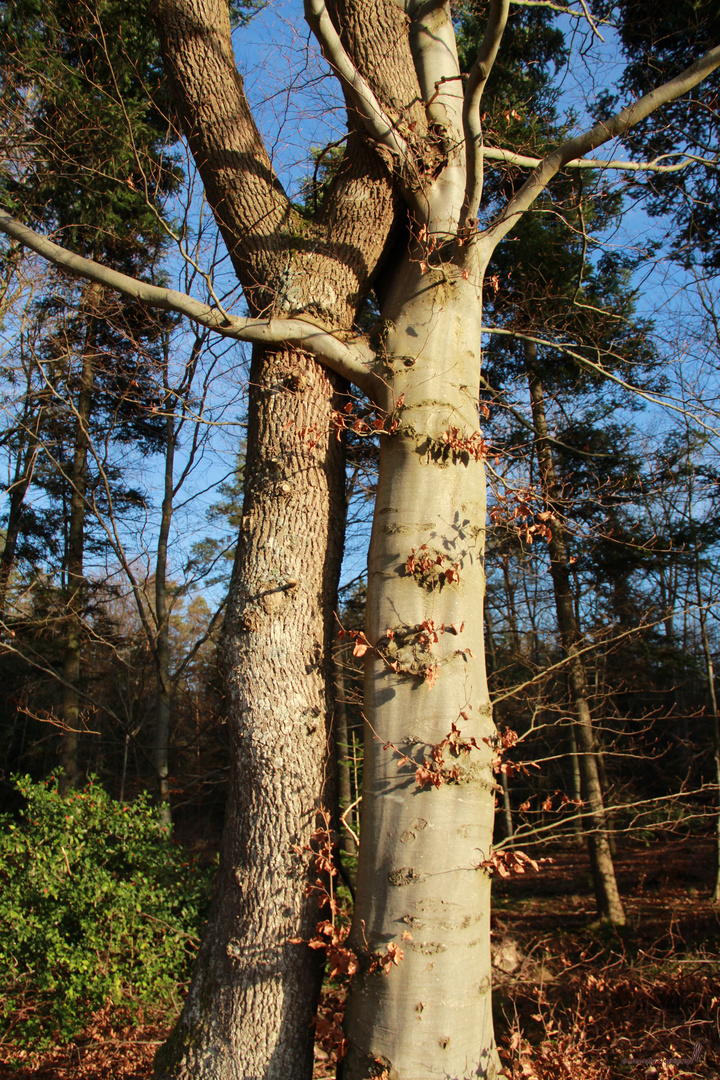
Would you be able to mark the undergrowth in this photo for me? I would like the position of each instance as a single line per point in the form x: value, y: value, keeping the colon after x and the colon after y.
x: 96, y: 905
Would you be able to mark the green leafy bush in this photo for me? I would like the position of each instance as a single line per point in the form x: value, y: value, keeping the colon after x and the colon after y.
x: 95, y: 904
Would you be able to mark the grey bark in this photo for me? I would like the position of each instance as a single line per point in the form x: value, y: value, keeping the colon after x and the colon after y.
x: 254, y: 991
x: 422, y: 847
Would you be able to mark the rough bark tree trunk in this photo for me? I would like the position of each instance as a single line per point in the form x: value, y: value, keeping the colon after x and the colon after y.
x: 253, y: 994
x: 607, y: 897
x: 277, y: 659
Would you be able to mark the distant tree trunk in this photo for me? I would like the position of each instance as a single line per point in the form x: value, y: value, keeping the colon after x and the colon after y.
x: 576, y: 781
x: 607, y: 897
x: 26, y: 451
x: 74, y: 559
x: 16, y: 496
x: 511, y: 609
x: 710, y: 676
x: 342, y: 738
x: 491, y: 657
x: 161, y: 740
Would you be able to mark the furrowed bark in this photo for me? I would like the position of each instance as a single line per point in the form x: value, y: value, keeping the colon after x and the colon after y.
x: 278, y: 668
x: 254, y: 993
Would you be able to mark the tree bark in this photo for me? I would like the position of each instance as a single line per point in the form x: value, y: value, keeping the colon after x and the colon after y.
x: 21, y: 481
x: 710, y: 677
x: 422, y: 845
x: 278, y: 668
x: 161, y: 739
x: 607, y: 897
x: 253, y: 993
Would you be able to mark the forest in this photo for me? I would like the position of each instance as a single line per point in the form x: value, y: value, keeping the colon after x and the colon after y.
x: 359, y: 539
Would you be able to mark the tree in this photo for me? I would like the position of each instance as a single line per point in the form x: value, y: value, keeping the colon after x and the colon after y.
x: 414, y: 160
x: 71, y: 89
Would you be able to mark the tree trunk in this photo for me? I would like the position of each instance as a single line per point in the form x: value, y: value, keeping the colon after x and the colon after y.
x: 24, y: 469
x: 254, y: 992
x: 161, y: 740
x: 75, y: 580
x: 342, y: 734
x: 422, y: 845
x: 710, y: 677
x: 607, y: 897
x: 576, y: 781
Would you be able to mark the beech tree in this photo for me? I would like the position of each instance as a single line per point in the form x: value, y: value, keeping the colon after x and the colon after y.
x: 402, y: 215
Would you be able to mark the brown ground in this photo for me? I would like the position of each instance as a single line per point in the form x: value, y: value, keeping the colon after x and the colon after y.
x: 573, y: 1001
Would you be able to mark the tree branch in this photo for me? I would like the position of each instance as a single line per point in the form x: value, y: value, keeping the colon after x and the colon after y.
x: 472, y: 126
x: 377, y: 123
x: 350, y: 358
x: 602, y: 132
x: 434, y: 51
x: 598, y: 369
x: 496, y: 153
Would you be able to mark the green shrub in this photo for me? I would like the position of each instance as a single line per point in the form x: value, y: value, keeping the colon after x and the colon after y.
x: 95, y: 904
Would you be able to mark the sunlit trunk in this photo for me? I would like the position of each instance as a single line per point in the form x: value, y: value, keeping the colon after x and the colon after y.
x: 254, y: 990
x: 427, y: 804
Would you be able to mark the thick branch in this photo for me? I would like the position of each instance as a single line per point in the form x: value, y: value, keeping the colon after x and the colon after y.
x: 434, y: 51
x: 351, y: 359
x: 577, y: 148
x: 246, y: 196
x: 377, y: 123
x: 472, y: 126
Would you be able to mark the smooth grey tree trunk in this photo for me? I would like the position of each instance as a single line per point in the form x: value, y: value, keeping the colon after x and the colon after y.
x: 421, y: 883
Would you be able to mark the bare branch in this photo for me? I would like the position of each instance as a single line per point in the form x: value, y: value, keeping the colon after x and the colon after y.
x: 472, y: 126
x: 565, y: 9
x: 349, y: 358
x: 496, y: 153
x: 602, y: 132
x: 598, y: 369
x: 377, y: 122
x: 588, y: 16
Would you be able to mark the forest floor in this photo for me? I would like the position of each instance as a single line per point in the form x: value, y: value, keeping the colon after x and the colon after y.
x: 572, y: 1000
